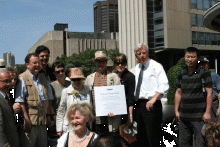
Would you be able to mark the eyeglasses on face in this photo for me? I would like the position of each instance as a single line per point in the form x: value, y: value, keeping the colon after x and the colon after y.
x: 6, y: 81
x: 101, y: 61
x: 74, y: 80
x: 58, y: 71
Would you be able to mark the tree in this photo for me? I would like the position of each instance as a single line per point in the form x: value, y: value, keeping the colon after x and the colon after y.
x: 85, y: 59
x: 172, y: 77
x: 20, y: 68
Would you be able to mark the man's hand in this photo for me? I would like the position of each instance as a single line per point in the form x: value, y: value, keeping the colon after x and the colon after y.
x: 60, y: 133
x: 150, y: 104
x: 27, y: 125
x: 206, y: 117
x: 177, y: 117
x: 48, y: 121
x: 16, y: 108
x: 130, y: 120
x: 111, y: 114
x: 218, y: 111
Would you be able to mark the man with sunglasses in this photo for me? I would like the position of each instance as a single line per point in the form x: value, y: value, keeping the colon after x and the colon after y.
x: 34, y: 94
x: 44, y: 54
x: 102, y: 77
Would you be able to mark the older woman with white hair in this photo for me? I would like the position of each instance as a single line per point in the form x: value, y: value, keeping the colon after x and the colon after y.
x: 78, y: 116
x: 75, y: 93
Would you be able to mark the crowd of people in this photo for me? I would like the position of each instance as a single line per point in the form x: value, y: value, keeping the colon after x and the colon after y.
x: 64, y: 99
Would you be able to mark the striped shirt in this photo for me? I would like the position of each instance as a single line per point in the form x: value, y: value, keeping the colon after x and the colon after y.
x: 193, y: 98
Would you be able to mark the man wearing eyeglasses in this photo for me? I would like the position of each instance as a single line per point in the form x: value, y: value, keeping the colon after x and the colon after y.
x: 8, y: 130
x: 34, y: 95
x: 44, y: 54
x: 102, y: 77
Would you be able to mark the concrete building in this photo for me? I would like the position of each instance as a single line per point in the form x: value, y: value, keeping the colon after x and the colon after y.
x: 65, y: 42
x: 168, y: 27
x: 9, y: 59
x: 106, y: 16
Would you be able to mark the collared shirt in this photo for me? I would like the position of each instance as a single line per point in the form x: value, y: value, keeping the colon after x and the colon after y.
x: 193, y: 97
x: 22, y: 90
x: 154, y: 79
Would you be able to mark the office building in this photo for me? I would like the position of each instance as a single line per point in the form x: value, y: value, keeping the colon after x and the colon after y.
x: 106, y: 16
x: 9, y: 59
x: 60, y: 41
x: 168, y: 27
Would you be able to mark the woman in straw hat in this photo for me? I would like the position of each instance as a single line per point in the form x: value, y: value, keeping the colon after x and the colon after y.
x: 75, y: 93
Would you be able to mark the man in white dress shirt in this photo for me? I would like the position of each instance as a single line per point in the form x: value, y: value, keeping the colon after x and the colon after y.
x: 151, y: 85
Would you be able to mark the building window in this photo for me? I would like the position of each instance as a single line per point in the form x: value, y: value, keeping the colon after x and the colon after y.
x: 194, y: 38
x: 193, y: 4
x: 206, y: 5
x: 214, y: 39
x: 193, y: 20
x: 159, y: 21
x: 200, y: 20
x: 200, y: 4
x: 207, y: 38
x: 201, y: 38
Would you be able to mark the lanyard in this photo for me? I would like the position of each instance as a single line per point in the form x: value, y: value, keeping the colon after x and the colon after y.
x: 103, y: 79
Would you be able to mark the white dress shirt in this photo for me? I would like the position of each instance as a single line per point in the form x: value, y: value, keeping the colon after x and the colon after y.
x: 154, y: 79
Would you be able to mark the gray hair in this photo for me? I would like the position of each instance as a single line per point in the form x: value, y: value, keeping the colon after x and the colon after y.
x: 3, y: 70
x: 140, y: 45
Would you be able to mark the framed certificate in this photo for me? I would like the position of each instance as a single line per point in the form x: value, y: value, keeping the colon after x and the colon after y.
x: 110, y: 99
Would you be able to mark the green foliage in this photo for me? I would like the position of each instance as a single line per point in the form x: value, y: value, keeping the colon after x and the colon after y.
x: 85, y: 59
x: 172, y: 77
x: 20, y: 68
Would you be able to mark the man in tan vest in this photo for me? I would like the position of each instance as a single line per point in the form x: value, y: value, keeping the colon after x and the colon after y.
x: 34, y: 95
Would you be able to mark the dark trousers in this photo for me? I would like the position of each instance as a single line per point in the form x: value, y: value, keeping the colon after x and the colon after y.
x: 186, y: 130
x: 149, y: 124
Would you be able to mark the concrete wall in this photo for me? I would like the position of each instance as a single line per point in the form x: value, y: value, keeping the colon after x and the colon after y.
x: 54, y: 41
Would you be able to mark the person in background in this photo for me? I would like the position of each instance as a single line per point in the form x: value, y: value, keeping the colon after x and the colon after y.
x: 34, y: 94
x: 212, y: 133
x: 128, y: 80
x: 75, y: 93
x: 133, y: 69
x: 110, y: 140
x: 110, y: 65
x: 192, y: 106
x: 78, y: 115
x: 67, y: 71
x: 59, y: 84
x: 102, y: 77
x: 44, y: 54
x: 204, y: 62
x: 151, y: 84
x: 8, y: 130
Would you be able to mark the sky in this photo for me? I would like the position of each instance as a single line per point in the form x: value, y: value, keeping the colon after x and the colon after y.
x: 24, y: 22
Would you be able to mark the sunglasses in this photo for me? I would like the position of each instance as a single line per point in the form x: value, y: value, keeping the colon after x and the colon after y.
x: 101, y: 61
x: 77, y: 79
x: 122, y: 63
x: 59, y: 71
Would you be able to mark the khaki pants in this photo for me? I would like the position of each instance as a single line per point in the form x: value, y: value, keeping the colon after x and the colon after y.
x: 37, y: 137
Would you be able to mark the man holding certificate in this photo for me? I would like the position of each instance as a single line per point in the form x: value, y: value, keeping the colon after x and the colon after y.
x: 102, y: 77
x: 151, y: 84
